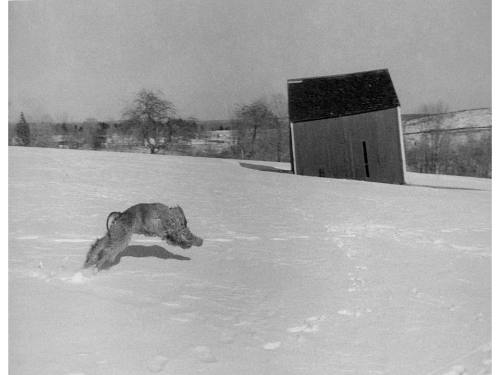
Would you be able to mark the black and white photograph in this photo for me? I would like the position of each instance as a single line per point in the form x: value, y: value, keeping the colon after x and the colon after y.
x: 249, y: 187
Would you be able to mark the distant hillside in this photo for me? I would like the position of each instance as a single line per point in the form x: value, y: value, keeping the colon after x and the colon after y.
x: 472, y: 118
x: 412, y: 116
x: 456, y: 143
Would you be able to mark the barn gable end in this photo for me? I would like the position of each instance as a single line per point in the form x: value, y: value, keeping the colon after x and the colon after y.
x: 346, y: 126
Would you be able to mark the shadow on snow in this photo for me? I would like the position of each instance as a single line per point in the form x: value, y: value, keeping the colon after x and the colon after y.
x: 264, y: 168
x: 138, y: 251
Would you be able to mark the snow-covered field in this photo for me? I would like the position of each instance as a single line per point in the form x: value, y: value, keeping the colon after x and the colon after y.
x: 297, y: 275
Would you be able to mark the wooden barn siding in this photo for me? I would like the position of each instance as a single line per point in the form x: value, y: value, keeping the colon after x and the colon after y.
x: 336, y: 147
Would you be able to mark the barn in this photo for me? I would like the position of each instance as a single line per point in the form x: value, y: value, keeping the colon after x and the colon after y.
x: 346, y: 126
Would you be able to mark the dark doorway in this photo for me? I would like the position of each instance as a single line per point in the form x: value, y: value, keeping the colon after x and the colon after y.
x: 365, y: 155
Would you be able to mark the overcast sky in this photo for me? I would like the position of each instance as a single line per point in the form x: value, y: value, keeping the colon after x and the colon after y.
x: 74, y: 60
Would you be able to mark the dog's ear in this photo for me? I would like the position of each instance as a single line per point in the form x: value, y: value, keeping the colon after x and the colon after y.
x: 183, y: 215
x: 180, y: 213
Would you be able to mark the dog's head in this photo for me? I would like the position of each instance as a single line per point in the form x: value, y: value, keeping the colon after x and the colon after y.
x: 180, y: 235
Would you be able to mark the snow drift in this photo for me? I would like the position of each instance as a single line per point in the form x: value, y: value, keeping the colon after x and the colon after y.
x: 297, y: 275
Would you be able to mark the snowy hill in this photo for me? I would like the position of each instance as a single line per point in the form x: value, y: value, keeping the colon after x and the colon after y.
x: 297, y: 275
x: 467, y: 120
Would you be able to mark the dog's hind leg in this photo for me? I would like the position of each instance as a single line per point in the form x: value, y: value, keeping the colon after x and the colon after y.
x: 117, y: 245
x: 97, y: 251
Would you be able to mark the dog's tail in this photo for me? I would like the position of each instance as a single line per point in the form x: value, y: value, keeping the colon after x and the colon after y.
x: 113, y: 215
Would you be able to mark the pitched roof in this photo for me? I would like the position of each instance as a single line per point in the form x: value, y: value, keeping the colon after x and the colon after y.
x: 340, y: 95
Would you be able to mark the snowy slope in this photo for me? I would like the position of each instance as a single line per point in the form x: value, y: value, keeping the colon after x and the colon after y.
x: 480, y: 117
x: 297, y: 275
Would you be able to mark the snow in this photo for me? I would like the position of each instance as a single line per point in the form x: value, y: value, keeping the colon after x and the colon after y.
x: 297, y: 275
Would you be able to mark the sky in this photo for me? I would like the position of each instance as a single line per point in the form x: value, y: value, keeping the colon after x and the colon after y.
x: 73, y: 60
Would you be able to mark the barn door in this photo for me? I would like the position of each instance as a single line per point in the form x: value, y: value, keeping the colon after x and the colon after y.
x: 359, y: 159
x: 363, y: 151
x: 365, y: 160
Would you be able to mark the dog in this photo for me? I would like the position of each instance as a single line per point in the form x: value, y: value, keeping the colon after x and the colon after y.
x: 149, y: 219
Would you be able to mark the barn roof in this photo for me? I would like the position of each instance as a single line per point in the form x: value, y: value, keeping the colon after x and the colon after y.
x: 340, y: 95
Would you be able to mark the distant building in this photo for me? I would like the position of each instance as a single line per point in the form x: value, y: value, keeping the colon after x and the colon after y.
x: 346, y: 126
x: 60, y: 140
x: 221, y: 136
x: 214, y: 141
x: 214, y: 125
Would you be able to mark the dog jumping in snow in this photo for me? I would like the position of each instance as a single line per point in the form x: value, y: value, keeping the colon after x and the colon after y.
x: 150, y: 219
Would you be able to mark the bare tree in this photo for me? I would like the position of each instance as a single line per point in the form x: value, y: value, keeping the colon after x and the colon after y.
x: 99, y: 135
x: 438, y: 139
x: 433, y: 108
x: 152, y: 113
x: 278, y: 105
x: 250, y: 119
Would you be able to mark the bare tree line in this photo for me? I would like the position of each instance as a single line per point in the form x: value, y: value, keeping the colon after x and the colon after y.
x: 440, y: 150
x: 259, y: 130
